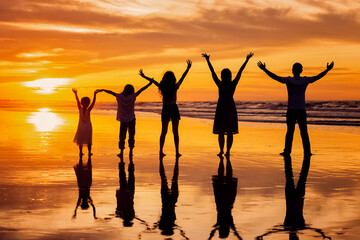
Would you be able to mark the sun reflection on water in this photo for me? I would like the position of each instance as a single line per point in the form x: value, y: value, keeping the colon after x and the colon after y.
x: 45, y: 121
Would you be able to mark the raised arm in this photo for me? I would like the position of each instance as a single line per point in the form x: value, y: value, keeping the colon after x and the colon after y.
x: 94, y: 100
x: 189, y: 63
x: 322, y: 74
x: 77, y: 98
x: 107, y: 91
x: 143, y: 88
x: 214, y: 76
x: 238, y: 75
x: 77, y: 205
x: 262, y: 66
x: 93, y: 207
x: 141, y: 73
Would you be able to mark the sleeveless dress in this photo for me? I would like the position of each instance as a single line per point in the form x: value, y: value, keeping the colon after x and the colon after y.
x: 83, y: 134
x: 226, y: 119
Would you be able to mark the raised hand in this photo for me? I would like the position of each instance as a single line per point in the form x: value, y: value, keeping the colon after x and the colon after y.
x: 207, y: 57
x: 249, y: 55
x: 329, y: 66
x: 141, y: 73
x: 74, y: 90
x: 261, y: 65
x: 189, y: 63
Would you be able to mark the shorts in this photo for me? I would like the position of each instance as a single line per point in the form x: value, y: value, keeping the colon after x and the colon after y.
x: 170, y: 112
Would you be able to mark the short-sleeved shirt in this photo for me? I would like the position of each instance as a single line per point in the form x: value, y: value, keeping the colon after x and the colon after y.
x: 296, y: 87
x: 125, y: 110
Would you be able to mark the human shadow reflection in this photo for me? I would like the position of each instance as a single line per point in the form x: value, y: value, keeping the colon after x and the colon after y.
x: 294, y: 221
x: 83, y: 174
x: 125, y: 194
x: 169, y: 198
x: 225, y: 190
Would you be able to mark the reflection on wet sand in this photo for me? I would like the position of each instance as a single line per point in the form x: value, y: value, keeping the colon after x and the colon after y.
x: 169, y: 198
x: 125, y: 194
x: 294, y: 221
x: 225, y: 189
x: 84, y: 181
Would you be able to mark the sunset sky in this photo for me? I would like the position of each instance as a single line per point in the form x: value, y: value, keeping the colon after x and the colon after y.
x: 50, y: 46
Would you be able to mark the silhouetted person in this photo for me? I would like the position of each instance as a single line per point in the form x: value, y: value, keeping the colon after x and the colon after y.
x: 84, y: 181
x: 126, y: 114
x: 294, y: 195
x: 225, y: 188
x: 296, y: 87
x: 83, y: 134
x: 125, y: 195
x: 226, y: 120
x: 168, y: 88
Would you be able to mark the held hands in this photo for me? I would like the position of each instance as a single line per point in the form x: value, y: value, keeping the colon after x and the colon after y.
x: 207, y: 57
x: 249, y: 55
x: 189, y: 63
x: 261, y: 65
x: 329, y: 66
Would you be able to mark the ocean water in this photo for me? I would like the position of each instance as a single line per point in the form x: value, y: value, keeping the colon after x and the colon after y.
x: 343, y: 113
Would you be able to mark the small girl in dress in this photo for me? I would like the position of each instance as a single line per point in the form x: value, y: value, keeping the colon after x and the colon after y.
x: 126, y: 114
x: 83, y: 134
x: 226, y: 121
x: 168, y: 88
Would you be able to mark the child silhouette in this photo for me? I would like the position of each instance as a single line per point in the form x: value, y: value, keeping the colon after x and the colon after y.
x: 83, y: 134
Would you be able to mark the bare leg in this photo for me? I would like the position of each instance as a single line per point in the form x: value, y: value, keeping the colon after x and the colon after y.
x: 221, y: 140
x: 229, y: 142
x: 162, y: 136
x: 221, y: 167
x: 229, y: 171
x: 80, y: 150
x: 131, y: 152
x: 175, y: 128
x: 89, y: 150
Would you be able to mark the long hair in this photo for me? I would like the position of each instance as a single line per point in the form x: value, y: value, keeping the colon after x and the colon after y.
x: 167, y: 85
x: 128, y: 89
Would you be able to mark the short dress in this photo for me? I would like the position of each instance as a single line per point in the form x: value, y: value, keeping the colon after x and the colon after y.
x: 83, y: 175
x: 83, y: 134
x: 226, y: 119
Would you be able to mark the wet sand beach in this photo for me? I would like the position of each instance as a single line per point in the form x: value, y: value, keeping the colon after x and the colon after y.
x: 39, y: 192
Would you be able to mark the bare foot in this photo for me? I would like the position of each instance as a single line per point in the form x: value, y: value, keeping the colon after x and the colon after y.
x: 162, y: 154
x: 227, y: 154
x: 178, y: 154
x: 220, y: 153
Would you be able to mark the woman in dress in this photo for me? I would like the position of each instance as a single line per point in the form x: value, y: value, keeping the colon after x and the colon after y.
x: 226, y: 121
